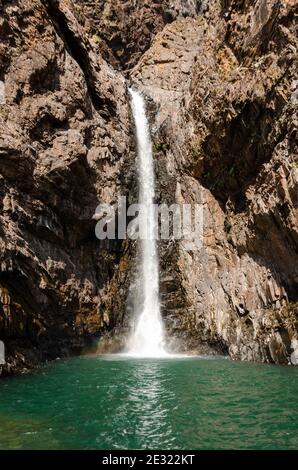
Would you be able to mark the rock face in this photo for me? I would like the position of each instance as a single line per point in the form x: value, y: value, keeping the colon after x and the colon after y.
x: 221, y: 82
x: 225, y: 87
x: 65, y: 136
x: 123, y: 30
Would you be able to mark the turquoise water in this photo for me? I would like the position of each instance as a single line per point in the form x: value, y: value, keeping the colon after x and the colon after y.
x: 116, y: 403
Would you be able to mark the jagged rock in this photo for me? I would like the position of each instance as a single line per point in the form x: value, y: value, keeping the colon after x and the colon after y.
x: 220, y: 78
x: 124, y: 30
x: 222, y: 86
x: 65, y: 135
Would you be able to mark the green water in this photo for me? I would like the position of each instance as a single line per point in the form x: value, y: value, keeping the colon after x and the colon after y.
x: 116, y: 403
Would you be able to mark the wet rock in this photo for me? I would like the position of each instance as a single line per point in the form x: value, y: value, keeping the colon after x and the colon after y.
x: 294, y: 354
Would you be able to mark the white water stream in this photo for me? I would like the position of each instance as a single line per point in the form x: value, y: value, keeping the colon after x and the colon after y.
x: 147, y: 338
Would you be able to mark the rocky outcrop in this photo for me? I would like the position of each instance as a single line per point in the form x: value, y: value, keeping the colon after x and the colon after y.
x: 123, y: 30
x: 224, y: 85
x: 222, y: 91
x: 65, y: 135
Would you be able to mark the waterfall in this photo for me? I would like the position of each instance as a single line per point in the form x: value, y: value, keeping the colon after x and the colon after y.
x: 147, y: 338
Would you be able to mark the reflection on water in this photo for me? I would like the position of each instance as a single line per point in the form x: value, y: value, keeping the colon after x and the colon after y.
x: 117, y: 403
x: 150, y: 404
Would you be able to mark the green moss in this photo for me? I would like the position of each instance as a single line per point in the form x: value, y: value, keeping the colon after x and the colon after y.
x: 161, y: 147
x: 96, y: 39
x: 108, y: 257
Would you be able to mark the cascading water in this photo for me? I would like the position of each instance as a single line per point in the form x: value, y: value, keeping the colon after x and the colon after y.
x: 147, y: 339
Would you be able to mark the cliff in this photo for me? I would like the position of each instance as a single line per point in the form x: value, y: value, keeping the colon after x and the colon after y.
x: 65, y: 139
x: 220, y: 78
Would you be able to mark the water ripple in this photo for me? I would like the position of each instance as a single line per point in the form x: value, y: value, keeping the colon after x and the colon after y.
x: 116, y: 403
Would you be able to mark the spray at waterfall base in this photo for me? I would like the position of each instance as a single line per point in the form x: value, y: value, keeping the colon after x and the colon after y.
x: 147, y: 222
x: 175, y: 223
